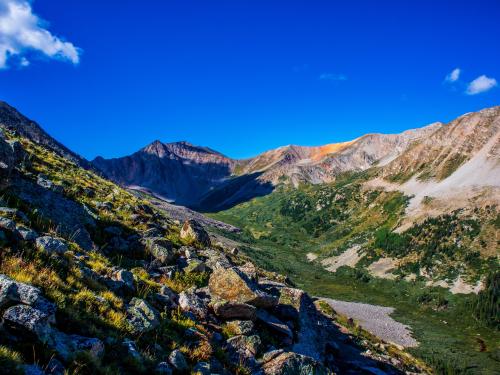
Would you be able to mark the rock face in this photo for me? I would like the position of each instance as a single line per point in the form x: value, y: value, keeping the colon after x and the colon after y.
x: 232, y: 285
x: 141, y: 316
x: 292, y: 364
x: 192, y: 231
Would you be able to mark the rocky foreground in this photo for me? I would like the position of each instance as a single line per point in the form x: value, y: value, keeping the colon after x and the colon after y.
x: 96, y: 280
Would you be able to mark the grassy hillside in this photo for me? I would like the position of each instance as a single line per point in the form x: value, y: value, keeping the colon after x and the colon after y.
x: 282, y: 228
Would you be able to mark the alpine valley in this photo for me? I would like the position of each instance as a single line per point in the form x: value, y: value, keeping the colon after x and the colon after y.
x: 377, y: 255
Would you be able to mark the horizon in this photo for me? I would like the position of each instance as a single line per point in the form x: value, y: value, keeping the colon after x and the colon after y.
x: 246, y: 78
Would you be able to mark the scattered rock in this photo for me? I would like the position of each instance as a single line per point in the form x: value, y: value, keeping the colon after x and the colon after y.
x: 234, y: 310
x: 26, y: 234
x: 141, y: 316
x: 67, y: 346
x: 28, y: 322
x: 193, y: 231
x: 275, y: 324
x: 7, y: 224
x: 245, y: 347
x: 178, y: 361
x: 160, y: 249
x: 131, y: 349
x: 293, y: 363
x: 192, y: 303
x: 195, y: 265
x: 125, y: 277
x: 241, y: 327
x: 232, y: 285
x: 51, y: 245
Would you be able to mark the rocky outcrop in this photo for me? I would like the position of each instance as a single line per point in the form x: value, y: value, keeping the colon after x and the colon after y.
x: 141, y: 317
x: 193, y: 232
x: 232, y: 285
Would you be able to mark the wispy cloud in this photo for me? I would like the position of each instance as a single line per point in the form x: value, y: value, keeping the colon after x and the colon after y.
x: 333, y: 77
x: 22, y: 33
x: 453, y: 76
x: 481, y: 84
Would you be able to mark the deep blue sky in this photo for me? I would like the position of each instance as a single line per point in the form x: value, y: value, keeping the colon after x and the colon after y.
x: 244, y: 76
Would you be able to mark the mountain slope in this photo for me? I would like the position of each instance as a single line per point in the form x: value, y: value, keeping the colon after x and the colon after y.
x: 205, y: 180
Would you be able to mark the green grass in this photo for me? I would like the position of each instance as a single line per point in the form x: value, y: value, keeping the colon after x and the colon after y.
x: 281, y: 228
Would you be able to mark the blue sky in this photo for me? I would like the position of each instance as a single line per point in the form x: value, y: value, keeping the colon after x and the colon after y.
x: 108, y: 77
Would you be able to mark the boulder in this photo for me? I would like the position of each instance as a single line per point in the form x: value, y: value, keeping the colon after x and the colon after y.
x: 234, y: 286
x: 67, y: 346
x: 190, y: 302
x: 26, y: 234
x: 28, y: 322
x: 51, y: 245
x: 163, y: 368
x: 131, y: 349
x: 249, y: 270
x: 166, y: 297
x: 13, y: 292
x: 193, y: 232
x: 276, y: 325
x: 160, y: 248
x: 7, y: 224
x: 241, y: 327
x: 195, y: 266
x: 141, y: 316
x: 244, y: 347
x: 125, y: 277
x: 215, y: 259
x: 234, y: 310
x: 178, y: 361
x: 288, y: 363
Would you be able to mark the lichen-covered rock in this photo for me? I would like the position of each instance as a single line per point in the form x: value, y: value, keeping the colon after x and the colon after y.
x: 289, y: 363
x: 192, y: 303
x: 141, y: 316
x: 193, y: 232
x: 227, y: 310
x: 51, y: 245
x: 232, y: 285
x: 178, y: 361
x: 244, y: 347
x: 159, y: 248
x: 241, y: 327
x: 195, y: 265
x: 28, y: 321
x: 13, y: 292
x: 67, y: 346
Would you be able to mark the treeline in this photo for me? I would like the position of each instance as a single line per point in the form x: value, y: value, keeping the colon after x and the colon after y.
x: 486, y: 305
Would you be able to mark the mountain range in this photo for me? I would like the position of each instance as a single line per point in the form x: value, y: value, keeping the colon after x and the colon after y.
x: 206, y: 180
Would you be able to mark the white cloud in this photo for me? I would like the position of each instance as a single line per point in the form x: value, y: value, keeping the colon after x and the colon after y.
x: 480, y: 84
x: 453, y: 76
x: 333, y: 77
x: 22, y: 32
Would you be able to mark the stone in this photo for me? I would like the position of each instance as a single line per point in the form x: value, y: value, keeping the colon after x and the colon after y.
x: 166, y: 297
x: 26, y: 234
x: 215, y: 259
x: 160, y: 249
x: 7, y: 224
x: 241, y: 327
x: 67, y: 346
x: 141, y: 316
x: 163, y: 368
x: 192, y: 303
x: 178, y: 361
x: 232, y: 285
x: 131, y: 349
x: 244, y: 346
x: 234, y: 310
x: 249, y: 270
x: 195, y: 266
x: 125, y: 277
x: 289, y: 363
x: 28, y: 321
x: 193, y: 232
x: 13, y: 292
x: 275, y: 324
x: 51, y: 245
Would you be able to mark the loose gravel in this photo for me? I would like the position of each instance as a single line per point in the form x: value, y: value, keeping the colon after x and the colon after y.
x: 376, y: 320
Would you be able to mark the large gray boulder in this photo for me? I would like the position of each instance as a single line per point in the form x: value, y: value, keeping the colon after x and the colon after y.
x: 234, y: 310
x: 51, y: 245
x: 159, y: 248
x: 13, y: 292
x: 27, y: 321
x: 232, y: 285
x: 190, y: 302
x: 67, y: 346
x: 289, y: 363
x: 141, y: 316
